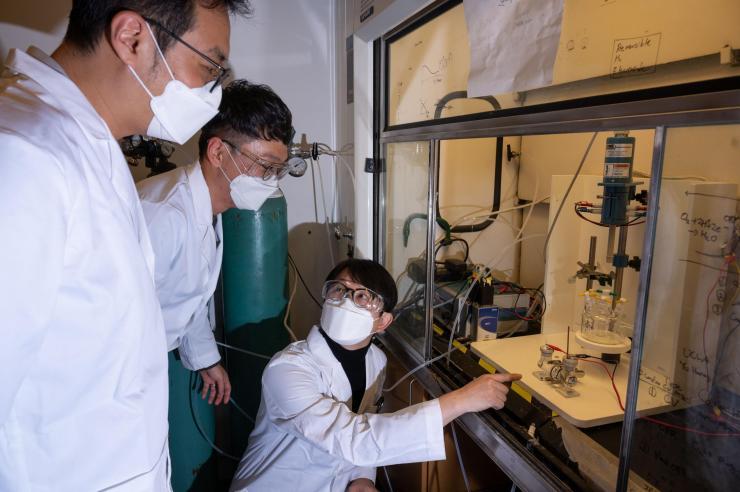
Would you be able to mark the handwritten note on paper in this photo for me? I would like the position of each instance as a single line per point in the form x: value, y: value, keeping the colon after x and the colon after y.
x: 513, y: 44
x: 703, y: 227
x: 634, y: 56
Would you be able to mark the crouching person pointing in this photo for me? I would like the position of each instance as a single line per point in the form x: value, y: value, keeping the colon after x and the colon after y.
x: 316, y: 430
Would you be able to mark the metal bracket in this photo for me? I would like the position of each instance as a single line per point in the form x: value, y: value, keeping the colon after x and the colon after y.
x: 729, y: 56
x: 564, y: 390
x: 373, y: 166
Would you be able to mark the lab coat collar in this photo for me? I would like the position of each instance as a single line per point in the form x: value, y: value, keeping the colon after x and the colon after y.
x: 322, y: 353
x: 45, y: 59
x: 61, y: 92
x: 329, y: 365
x: 201, y: 195
x: 338, y: 381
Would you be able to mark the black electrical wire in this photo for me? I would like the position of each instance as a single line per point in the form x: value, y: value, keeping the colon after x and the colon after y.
x: 630, y: 223
x: 542, y: 301
x: 496, y: 206
x: 303, y: 282
x: 538, y: 297
x: 448, y: 243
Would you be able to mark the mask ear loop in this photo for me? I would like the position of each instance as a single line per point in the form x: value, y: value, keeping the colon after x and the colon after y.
x: 238, y: 169
x: 226, y: 146
x: 141, y: 82
x: 159, y: 50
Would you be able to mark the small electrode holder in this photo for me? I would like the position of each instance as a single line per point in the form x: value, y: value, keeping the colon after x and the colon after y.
x: 562, y: 374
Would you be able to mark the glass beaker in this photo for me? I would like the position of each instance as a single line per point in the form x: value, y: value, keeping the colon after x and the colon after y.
x: 587, y: 319
x: 602, y: 323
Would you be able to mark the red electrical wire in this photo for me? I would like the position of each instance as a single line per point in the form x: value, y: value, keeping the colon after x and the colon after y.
x: 688, y: 429
x: 651, y: 419
x: 608, y: 374
x: 523, y: 318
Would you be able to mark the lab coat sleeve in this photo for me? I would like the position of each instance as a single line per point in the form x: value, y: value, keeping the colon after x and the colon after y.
x: 167, y: 231
x: 363, y: 472
x: 295, y: 403
x: 34, y: 199
x: 178, y: 293
x: 198, y: 348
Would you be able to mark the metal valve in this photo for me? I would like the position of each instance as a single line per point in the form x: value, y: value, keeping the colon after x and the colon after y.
x: 571, y: 373
x: 545, y: 355
x: 561, y: 374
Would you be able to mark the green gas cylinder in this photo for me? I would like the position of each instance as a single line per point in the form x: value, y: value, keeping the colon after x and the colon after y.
x: 255, y: 294
x: 192, y: 458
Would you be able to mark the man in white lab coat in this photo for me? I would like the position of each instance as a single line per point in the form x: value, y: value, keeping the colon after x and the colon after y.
x: 316, y: 427
x: 83, y: 384
x: 247, y: 140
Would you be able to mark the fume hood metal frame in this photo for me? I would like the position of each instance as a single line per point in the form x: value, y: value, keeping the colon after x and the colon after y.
x: 711, y: 102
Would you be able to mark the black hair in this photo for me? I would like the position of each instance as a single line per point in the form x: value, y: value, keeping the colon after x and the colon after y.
x: 89, y: 19
x: 372, y: 275
x: 248, y: 112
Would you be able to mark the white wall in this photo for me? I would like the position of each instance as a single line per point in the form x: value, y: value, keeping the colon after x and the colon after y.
x: 33, y: 22
x: 289, y: 45
x: 390, y: 16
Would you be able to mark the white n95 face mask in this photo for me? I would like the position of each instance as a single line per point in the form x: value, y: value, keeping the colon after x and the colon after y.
x: 249, y: 192
x: 346, y: 323
x: 180, y: 111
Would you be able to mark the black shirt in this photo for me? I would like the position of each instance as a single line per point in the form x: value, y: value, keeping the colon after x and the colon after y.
x: 353, y: 363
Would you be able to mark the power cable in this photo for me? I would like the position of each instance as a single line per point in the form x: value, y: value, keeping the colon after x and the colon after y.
x: 241, y: 410
x: 460, y: 458
x: 420, y: 366
x: 287, y: 309
x: 567, y: 192
x: 203, y: 434
x: 303, y: 282
x: 244, y: 351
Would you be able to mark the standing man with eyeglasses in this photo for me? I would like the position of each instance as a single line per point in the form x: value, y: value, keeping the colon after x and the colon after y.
x: 242, y: 155
x: 83, y: 384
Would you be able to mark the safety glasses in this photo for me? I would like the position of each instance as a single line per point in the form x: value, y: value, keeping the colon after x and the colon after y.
x: 270, y: 169
x: 336, y: 290
x: 222, y: 73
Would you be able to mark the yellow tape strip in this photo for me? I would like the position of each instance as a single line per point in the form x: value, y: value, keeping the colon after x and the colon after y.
x: 459, y: 346
x: 488, y: 367
x: 517, y: 389
x: 521, y: 392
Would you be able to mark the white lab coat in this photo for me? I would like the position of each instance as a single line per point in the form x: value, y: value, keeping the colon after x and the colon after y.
x: 83, y: 384
x: 306, y: 437
x: 179, y: 214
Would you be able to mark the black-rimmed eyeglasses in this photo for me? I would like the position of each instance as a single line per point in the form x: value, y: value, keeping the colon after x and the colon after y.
x: 222, y: 71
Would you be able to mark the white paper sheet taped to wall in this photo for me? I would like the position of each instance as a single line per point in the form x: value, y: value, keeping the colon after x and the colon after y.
x: 513, y: 44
